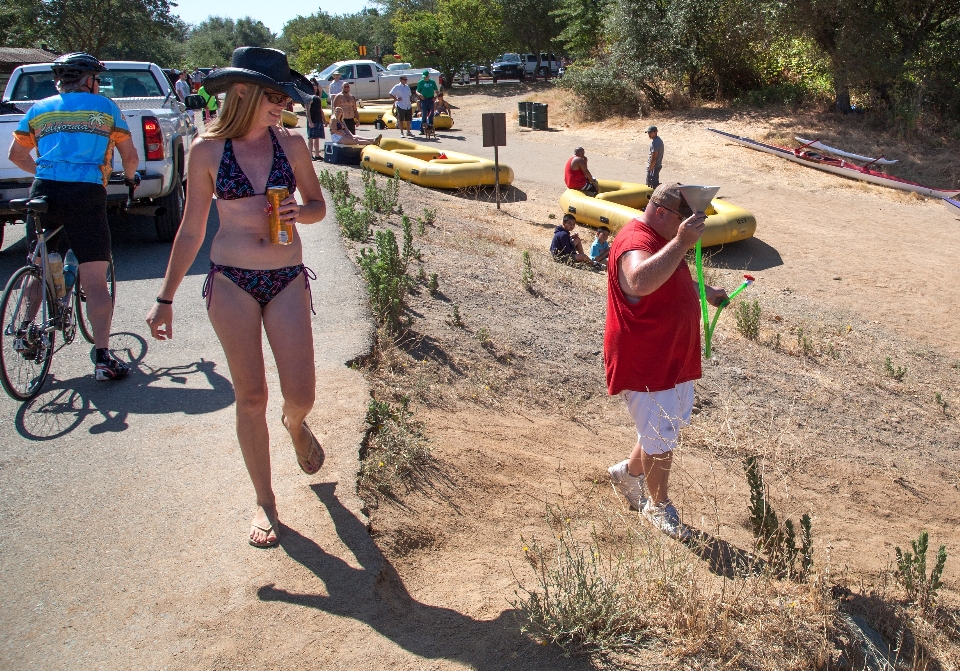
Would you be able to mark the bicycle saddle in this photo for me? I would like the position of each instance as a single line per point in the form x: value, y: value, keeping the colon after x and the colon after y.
x: 24, y: 204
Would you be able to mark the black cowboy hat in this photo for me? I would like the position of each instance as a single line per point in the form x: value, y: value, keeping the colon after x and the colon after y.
x: 263, y: 67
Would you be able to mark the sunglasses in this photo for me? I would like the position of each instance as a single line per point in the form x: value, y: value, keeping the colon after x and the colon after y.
x: 277, y: 98
x: 670, y: 209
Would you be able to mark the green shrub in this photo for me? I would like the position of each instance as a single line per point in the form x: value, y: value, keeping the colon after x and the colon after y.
x: 748, y: 319
x: 912, y: 572
x: 896, y: 372
x: 385, y: 272
x: 526, y: 272
x: 778, y: 541
x: 601, y: 90
x: 394, y: 448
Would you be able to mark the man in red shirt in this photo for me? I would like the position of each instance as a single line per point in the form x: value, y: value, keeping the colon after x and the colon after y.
x: 652, y: 345
x: 577, y: 176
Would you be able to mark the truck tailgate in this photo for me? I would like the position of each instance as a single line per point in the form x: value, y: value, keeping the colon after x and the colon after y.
x: 8, y: 171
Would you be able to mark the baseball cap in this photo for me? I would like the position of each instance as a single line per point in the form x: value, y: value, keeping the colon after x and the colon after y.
x: 670, y: 197
x: 651, y: 129
x: 426, y: 73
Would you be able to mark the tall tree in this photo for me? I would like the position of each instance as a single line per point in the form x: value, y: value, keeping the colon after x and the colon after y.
x: 460, y: 32
x: 531, y: 25
x: 107, y: 27
x: 581, y: 24
x: 211, y: 42
x: 318, y: 50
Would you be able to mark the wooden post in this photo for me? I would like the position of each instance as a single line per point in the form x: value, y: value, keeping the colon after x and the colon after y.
x: 495, y: 135
x: 496, y: 166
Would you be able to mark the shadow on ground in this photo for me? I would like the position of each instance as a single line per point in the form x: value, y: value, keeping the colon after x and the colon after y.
x: 722, y: 558
x: 63, y: 405
x: 375, y: 595
x: 751, y: 254
x: 488, y: 194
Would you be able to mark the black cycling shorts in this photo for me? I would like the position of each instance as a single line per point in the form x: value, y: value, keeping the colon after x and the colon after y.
x: 81, y: 208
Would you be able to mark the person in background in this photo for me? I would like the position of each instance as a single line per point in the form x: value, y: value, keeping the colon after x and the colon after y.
x: 427, y: 90
x: 341, y: 134
x: 196, y: 79
x: 566, y: 246
x: 404, y: 108
x: 335, y: 86
x: 348, y: 103
x: 442, y: 107
x: 74, y: 134
x: 182, y: 87
x: 600, y: 249
x: 655, y: 158
x: 212, y: 104
x: 576, y: 174
x: 651, y: 345
x: 315, y: 122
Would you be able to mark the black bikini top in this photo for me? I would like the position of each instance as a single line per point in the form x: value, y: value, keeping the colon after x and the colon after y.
x: 232, y: 183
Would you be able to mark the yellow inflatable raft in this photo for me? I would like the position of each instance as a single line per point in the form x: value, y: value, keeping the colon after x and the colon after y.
x: 619, y: 202
x: 440, y: 122
x: 368, y: 113
x: 289, y: 119
x: 424, y: 166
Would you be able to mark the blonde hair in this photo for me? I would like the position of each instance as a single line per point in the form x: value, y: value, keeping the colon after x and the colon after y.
x: 238, y: 113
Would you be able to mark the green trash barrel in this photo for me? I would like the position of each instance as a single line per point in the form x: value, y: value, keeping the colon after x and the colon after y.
x: 522, y: 108
x: 539, y: 120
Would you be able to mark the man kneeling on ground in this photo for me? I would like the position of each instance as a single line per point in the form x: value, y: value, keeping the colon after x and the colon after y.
x: 577, y: 176
x: 566, y: 246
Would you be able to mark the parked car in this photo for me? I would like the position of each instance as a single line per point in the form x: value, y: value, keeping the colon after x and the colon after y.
x: 546, y: 61
x: 369, y: 80
x: 469, y: 72
x: 160, y: 126
x: 399, y: 66
x: 508, y: 66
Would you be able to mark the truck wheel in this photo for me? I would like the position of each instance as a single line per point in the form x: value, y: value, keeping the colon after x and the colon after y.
x: 169, y: 222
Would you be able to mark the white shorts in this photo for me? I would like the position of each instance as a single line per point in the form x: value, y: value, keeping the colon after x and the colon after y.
x: 659, y: 415
x: 335, y: 137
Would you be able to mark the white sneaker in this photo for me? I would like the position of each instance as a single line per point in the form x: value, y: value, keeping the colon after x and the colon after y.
x: 629, y: 486
x: 666, y: 518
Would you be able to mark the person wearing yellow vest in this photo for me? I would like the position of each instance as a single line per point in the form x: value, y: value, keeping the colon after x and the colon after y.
x: 210, y: 111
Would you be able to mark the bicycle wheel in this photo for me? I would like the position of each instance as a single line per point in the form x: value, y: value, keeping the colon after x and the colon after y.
x: 81, y: 300
x: 27, y: 350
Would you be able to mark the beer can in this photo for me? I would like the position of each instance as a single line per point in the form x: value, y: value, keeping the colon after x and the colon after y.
x: 280, y: 233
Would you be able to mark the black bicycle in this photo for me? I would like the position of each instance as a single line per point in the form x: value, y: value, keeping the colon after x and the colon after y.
x: 33, y: 308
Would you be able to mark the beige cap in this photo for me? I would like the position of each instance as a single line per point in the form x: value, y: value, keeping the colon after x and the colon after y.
x: 670, y: 197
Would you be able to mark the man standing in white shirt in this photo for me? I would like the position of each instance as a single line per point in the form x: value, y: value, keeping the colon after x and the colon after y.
x: 401, y: 101
x: 183, y: 88
x: 336, y: 86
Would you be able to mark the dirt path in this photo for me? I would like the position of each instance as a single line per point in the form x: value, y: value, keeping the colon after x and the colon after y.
x: 514, y: 402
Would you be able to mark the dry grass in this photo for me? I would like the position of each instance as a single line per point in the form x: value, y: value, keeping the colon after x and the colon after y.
x: 625, y: 586
x: 794, y: 405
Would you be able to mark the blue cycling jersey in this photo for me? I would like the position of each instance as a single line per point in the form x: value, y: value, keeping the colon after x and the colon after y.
x: 74, y: 135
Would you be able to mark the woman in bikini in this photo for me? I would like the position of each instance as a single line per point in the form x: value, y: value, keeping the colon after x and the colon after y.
x: 254, y: 285
x: 340, y: 134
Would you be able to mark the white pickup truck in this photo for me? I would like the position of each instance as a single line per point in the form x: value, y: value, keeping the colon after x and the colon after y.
x: 369, y: 80
x: 161, y: 127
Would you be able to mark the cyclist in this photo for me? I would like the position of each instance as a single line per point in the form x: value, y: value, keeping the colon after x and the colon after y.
x: 74, y: 133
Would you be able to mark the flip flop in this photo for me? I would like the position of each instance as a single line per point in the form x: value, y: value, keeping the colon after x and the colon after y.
x: 317, y: 450
x: 266, y: 530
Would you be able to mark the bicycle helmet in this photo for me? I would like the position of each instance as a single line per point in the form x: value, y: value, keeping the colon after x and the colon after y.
x: 73, y: 67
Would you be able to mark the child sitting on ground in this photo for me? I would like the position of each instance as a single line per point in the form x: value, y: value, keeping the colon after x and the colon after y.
x: 600, y: 249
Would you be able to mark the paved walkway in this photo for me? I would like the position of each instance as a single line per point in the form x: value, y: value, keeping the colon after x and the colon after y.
x: 126, y: 506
